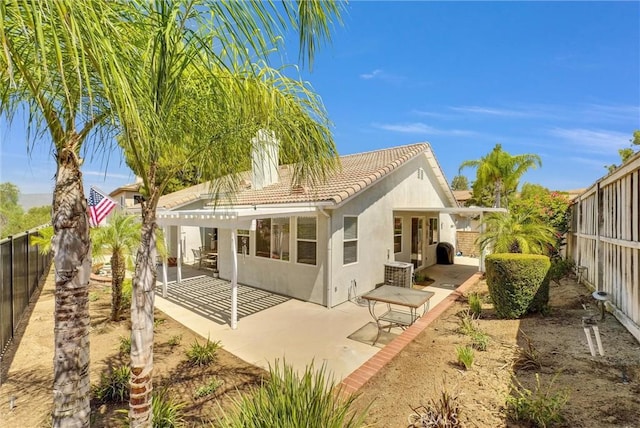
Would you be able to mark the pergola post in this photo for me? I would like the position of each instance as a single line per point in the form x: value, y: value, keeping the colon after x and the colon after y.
x: 164, y: 265
x: 179, y: 256
x: 234, y: 280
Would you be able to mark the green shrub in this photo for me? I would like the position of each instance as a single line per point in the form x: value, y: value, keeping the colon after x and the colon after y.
x: 560, y: 269
x: 203, y: 355
x: 469, y: 326
x: 475, y: 304
x: 290, y: 400
x: 518, y: 283
x: 540, y: 407
x: 127, y: 290
x: 465, y: 356
x: 480, y: 340
x: 113, y: 386
x: 208, y: 389
x: 166, y: 412
x: 445, y: 412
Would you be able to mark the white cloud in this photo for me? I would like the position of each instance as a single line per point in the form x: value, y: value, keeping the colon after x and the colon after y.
x: 593, y: 140
x: 420, y: 128
x: 106, y: 175
x: 374, y: 73
x: 490, y: 111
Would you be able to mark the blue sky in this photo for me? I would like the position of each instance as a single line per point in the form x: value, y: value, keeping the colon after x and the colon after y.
x: 559, y: 79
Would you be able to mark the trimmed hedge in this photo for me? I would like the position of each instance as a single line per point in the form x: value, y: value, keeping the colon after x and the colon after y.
x: 518, y: 283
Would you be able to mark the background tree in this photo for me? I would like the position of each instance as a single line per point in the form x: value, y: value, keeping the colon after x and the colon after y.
x: 460, y: 182
x: 516, y: 232
x: 501, y: 172
x: 549, y: 207
x: 10, y: 211
x: 626, y: 152
x: 120, y: 238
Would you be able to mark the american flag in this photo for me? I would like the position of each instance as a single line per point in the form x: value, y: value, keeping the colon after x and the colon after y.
x: 99, y: 207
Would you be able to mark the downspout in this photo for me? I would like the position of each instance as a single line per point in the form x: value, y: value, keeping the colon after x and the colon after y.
x: 328, y: 277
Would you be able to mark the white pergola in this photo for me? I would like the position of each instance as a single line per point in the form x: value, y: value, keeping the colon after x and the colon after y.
x: 223, y: 218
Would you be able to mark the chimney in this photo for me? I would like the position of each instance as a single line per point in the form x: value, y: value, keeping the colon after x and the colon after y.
x: 264, y: 159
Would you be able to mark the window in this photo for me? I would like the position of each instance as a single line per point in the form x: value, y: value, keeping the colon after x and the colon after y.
x: 243, y: 242
x: 307, y: 240
x: 280, y: 238
x: 272, y: 238
x: 397, y: 234
x: 434, y: 237
x: 263, y: 237
x: 350, y: 241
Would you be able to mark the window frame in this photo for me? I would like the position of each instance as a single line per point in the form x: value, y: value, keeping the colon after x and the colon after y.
x: 270, y: 247
x: 346, y: 240
x: 239, y: 235
x: 298, y: 239
x: 397, y: 235
x: 433, y: 226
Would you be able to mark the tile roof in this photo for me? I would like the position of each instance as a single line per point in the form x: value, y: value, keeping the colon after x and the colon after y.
x: 356, y: 172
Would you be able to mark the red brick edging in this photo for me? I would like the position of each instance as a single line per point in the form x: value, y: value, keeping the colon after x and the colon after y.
x: 362, y: 374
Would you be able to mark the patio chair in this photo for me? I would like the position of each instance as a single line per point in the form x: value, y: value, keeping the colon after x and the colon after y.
x: 197, y: 257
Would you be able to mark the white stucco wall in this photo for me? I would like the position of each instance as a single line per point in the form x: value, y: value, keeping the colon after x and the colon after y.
x: 375, y: 210
x: 290, y: 278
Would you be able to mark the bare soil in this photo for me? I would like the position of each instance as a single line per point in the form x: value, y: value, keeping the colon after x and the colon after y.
x: 604, y: 391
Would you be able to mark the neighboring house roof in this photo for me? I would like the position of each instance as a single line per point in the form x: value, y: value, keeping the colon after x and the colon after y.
x: 462, y: 196
x: 133, y: 187
x: 356, y: 173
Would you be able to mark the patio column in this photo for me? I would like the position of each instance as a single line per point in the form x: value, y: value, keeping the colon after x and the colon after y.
x: 179, y: 260
x: 164, y: 263
x: 234, y: 280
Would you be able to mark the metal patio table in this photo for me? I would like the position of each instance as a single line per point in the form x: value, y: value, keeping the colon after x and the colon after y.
x: 408, y: 298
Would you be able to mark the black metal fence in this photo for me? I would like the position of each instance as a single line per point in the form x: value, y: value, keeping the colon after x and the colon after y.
x: 23, y: 268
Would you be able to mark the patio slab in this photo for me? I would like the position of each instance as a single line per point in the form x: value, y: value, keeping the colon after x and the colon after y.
x: 279, y: 328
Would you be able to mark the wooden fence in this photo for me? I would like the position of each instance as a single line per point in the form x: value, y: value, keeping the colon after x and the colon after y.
x: 604, y: 241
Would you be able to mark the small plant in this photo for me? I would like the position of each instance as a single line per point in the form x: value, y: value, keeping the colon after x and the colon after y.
x: 540, y: 407
x: 479, y: 340
x: 94, y: 297
x: 114, y: 386
x: 475, y: 304
x: 469, y: 326
x: 528, y: 358
x: 314, y: 399
x: 443, y: 413
x: 166, y: 412
x: 465, y: 356
x: 174, y: 340
x: 127, y: 290
x: 125, y: 345
x: 561, y: 269
x: 203, y: 355
x: 209, y: 388
x: 158, y: 322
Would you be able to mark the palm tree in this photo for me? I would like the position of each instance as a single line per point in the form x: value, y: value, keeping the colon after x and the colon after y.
x: 201, y: 105
x: 54, y: 63
x: 520, y: 232
x: 501, y: 171
x: 120, y: 237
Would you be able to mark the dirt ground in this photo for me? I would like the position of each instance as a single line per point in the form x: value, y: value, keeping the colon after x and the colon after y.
x: 604, y: 391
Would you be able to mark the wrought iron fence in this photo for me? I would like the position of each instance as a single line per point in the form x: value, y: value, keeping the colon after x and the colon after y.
x: 23, y: 268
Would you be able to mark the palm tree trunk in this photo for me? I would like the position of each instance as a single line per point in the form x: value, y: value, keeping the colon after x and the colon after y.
x: 117, y: 278
x: 497, y: 194
x: 142, y: 304
x: 72, y: 260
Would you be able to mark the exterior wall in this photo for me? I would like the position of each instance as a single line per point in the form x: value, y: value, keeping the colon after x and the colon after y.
x: 374, y: 208
x: 466, y: 243
x: 604, y: 240
x: 301, y: 281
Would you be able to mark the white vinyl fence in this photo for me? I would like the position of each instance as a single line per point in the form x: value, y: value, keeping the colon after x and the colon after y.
x: 604, y: 241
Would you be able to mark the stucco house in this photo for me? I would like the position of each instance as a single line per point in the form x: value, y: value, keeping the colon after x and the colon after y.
x: 324, y: 244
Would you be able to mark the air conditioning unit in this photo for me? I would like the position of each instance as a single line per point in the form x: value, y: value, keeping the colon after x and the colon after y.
x: 398, y: 274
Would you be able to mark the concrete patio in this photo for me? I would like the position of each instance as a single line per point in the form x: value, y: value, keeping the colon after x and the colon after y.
x: 273, y: 327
